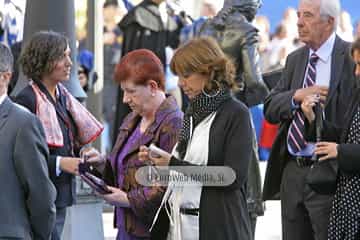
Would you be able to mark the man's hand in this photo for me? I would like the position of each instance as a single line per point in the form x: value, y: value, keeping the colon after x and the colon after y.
x: 70, y: 165
x: 302, y: 93
x: 307, y: 106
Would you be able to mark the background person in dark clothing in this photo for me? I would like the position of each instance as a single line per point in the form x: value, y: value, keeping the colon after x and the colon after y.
x: 85, y: 60
x: 113, y: 38
x: 145, y: 26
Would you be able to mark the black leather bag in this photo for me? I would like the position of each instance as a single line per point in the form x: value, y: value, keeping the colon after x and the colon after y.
x: 322, y: 177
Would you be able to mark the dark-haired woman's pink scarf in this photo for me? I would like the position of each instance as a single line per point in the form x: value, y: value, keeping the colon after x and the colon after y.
x: 88, y: 128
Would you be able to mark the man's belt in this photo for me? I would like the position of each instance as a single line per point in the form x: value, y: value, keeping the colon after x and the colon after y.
x: 303, y: 161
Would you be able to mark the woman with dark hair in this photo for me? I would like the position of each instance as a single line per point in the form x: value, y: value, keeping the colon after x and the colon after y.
x: 216, y: 132
x: 68, y: 126
x: 155, y: 118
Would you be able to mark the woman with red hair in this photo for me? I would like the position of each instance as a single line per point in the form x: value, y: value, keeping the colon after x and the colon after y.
x: 155, y: 118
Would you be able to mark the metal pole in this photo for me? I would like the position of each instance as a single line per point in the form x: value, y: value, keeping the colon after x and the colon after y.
x: 58, y: 16
x: 84, y: 220
x: 94, y: 43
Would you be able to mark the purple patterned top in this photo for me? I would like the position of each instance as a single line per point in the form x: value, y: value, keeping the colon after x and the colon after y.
x: 133, y: 139
x: 134, y: 222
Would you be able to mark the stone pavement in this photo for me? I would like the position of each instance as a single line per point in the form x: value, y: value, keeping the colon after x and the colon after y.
x: 268, y: 227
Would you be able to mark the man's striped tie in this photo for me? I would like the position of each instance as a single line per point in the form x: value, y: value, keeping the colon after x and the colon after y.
x: 296, y: 138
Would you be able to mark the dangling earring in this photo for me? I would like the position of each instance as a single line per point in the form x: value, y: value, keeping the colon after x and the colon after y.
x: 217, y: 91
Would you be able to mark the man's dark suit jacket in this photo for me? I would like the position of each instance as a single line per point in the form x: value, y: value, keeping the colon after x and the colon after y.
x: 277, y: 107
x: 27, y: 198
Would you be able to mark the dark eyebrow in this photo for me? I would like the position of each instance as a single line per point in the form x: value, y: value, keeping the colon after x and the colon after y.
x: 128, y: 89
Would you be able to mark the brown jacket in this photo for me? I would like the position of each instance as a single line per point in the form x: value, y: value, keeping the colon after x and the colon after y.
x: 144, y: 201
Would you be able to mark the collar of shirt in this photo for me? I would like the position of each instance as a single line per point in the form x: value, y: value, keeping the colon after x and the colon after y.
x: 2, y: 98
x: 325, y: 50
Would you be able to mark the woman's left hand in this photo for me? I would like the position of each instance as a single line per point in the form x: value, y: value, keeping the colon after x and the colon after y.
x: 326, y: 149
x: 143, y: 153
x: 146, y: 154
x: 117, y: 197
x: 160, y: 160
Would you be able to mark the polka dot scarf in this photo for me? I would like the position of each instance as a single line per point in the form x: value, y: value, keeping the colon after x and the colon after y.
x: 199, y: 108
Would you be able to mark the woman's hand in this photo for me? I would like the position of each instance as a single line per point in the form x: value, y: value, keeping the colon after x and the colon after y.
x: 92, y: 156
x: 145, y: 154
x: 70, y: 165
x: 161, y: 160
x: 326, y: 149
x: 117, y: 197
x: 307, y: 106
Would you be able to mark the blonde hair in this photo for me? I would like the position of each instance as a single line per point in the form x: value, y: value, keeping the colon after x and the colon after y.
x: 203, y: 55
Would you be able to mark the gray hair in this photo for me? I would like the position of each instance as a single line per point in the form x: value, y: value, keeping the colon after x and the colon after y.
x: 329, y: 8
x: 6, y: 59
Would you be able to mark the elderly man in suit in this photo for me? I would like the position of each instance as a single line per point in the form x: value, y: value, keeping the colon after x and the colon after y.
x: 27, y: 199
x: 323, y: 67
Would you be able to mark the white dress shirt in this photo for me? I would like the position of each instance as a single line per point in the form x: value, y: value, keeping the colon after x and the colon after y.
x: 323, y: 76
x: 323, y: 65
x: 2, y: 98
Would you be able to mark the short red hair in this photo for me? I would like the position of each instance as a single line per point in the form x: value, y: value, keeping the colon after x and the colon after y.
x: 140, y: 66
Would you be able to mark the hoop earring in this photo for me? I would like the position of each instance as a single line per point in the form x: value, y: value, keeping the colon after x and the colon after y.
x: 217, y: 91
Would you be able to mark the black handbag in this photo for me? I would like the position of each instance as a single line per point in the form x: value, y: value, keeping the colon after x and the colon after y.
x: 322, y: 177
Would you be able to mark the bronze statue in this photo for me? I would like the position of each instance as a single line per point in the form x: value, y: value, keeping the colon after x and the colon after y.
x: 233, y: 30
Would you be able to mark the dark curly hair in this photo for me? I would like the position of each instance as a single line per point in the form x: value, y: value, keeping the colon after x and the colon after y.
x: 40, y: 54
